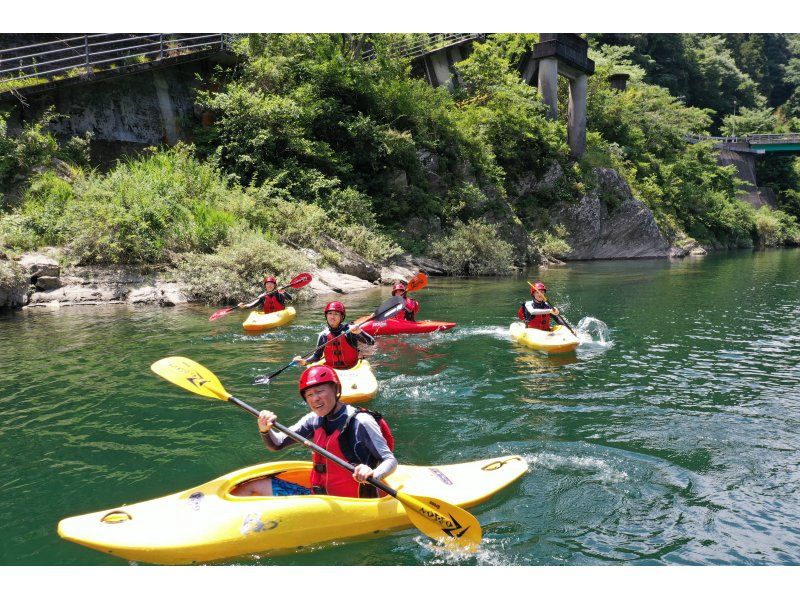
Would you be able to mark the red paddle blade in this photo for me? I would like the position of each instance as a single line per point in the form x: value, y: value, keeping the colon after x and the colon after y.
x: 219, y: 313
x: 301, y: 280
x: 420, y: 281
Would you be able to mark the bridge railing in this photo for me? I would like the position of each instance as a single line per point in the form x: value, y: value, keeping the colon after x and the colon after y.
x: 84, y: 55
x: 426, y: 44
x: 756, y: 139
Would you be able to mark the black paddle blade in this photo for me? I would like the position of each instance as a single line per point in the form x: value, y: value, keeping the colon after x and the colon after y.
x: 388, y: 308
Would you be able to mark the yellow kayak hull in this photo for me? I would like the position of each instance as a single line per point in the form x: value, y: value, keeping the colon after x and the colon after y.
x: 258, y: 321
x: 558, y: 340
x: 359, y: 384
x: 207, y: 523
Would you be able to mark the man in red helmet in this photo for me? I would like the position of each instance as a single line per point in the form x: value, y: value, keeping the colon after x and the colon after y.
x: 341, y: 352
x: 409, y: 311
x: 537, y: 319
x: 271, y: 300
x: 350, y: 433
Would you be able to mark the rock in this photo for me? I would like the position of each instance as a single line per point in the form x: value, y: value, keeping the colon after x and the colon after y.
x: 597, y: 232
x: 350, y: 262
x: 144, y: 295
x: 171, y: 294
x: 429, y: 266
x: 36, y: 265
x: 329, y: 281
x: 392, y: 273
x: 73, y: 294
x: 47, y: 283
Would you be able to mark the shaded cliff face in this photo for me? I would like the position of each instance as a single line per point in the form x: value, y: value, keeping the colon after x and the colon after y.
x: 746, y: 170
x: 598, y: 231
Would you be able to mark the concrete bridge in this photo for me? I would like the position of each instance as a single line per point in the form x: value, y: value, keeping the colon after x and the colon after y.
x: 33, y: 76
x: 742, y: 152
x: 785, y: 143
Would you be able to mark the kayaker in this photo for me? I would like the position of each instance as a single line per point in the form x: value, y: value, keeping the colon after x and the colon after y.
x: 350, y: 433
x: 341, y: 353
x: 538, y: 302
x: 411, y: 308
x: 271, y: 300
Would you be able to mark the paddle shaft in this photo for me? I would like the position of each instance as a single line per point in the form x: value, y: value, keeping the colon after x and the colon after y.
x: 314, y: 447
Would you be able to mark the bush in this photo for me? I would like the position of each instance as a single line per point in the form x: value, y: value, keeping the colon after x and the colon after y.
x: 235, y: 272
x: 139, y: 213
x: 553, y: 244
x: 474, y: 249
x: 774, y: 227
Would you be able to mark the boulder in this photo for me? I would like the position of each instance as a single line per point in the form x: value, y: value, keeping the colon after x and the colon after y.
x: 47, y: 283
x: 392, y: 273
x: 36, y: 265
x: 144, y: 295
x: 349, y: 261
x: 329, y: 281
x: 597, y: 231
x: 171, y: 294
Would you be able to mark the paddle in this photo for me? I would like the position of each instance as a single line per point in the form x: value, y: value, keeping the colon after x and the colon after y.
x: 418, y: 282
x: 298, y: 282
x: 386, y: 310
x: 558, y: 318
x: 435, y: 518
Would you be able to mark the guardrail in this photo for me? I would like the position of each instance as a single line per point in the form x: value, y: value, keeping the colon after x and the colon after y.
x: 751, y: 139
x: 420, y: 47
x: 84, y: 55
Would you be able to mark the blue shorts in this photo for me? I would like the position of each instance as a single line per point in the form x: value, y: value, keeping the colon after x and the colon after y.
x: 284, y: 488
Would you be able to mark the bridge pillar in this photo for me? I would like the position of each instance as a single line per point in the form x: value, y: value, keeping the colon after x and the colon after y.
x: 576, y: 126
x: 564, y: 54
x: 548, y: 85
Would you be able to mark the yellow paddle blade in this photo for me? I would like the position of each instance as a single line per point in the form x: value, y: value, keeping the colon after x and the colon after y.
x: 191, y: 376
x: 453, y: 526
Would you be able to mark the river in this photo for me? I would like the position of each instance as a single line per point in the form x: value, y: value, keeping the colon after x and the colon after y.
x: 675, y: 440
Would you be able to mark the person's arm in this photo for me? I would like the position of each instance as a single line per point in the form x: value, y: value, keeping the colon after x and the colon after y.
x: 254, y: 302
x: 521, y: 313
x: 362, y: 336
x: 276, y: 441
x: 368, y: 432
x: 284, y: 296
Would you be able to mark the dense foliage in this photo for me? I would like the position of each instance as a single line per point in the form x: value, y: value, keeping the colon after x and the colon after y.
x: 309, y: 141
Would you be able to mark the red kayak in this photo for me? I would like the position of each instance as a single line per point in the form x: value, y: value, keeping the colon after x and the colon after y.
x: 404, y: 327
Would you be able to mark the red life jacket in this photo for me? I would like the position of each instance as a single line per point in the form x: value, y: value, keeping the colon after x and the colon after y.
x: 271, y: 304
x: 540, y: 321
x: 340, y: 353
x: 329, y: 478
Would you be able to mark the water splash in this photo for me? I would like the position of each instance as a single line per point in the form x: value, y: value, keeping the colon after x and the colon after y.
x: 491, y: 552
x: 592, y: 331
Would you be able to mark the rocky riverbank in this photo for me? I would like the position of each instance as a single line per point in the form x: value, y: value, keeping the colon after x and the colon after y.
x: 41, y: 282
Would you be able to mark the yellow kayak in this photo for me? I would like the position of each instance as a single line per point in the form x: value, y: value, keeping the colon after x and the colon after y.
x: 558, y: 340
x: 208, y: 523
x: 258, y: 321
x: 358, y: 383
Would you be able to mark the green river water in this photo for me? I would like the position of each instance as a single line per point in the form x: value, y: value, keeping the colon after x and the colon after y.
x: 674, y: 440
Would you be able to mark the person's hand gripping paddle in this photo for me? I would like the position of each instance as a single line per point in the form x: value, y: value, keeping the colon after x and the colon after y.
x: 453, y: 526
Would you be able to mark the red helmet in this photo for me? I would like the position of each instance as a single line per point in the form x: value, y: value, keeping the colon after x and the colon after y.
x: 316, y: 375
x: 335, y: 306
x: 270, y: 279
x: 538, y: 286
x: 399, y: 286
